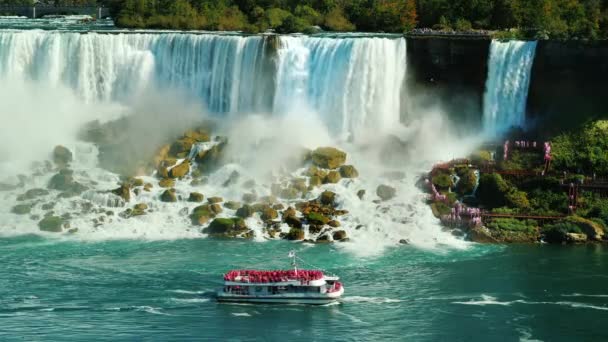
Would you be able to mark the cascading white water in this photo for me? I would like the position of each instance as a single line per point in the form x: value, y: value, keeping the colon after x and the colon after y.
x: 219, y: 70
x: 353, y: 84
x: 509, y: 68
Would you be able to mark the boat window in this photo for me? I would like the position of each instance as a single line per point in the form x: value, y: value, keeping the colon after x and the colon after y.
x: 258, y: 289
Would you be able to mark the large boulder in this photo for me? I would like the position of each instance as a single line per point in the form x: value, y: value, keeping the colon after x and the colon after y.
x: 293, y: 222
x: 31, y: 194
x: 226, y: 227
x: 62, y: 181
x: 232, y: 205
x: 269, y: 214
x: 169, y: 195
x: 317, y: 219
x: 180, y: 170
x: 328, y: 157
x: 51, y: 224
x: 166, y: 183
x: 593, y: 230
x: 196, y: 197
x: 386, y: 192
x: 124, y: 192
x: 62, y: 156
x: 348, y: 171
x: 295, y: 234
x: 181, y: 148
x: 245, y: 211
x: 201, y: 215
x: 332, y: 177
x: 22, y: 209
x: 213, y: 200
x: 328, y: 198
x: 339, y: 235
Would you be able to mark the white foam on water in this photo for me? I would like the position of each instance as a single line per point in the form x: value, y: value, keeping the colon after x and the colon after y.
x: 374, y: 300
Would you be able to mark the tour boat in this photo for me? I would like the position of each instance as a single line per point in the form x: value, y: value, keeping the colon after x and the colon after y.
x: 292, y: 286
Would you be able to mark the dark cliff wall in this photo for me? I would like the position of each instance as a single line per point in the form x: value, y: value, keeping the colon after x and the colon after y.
x: 569, y: 81
x: 449, y: 72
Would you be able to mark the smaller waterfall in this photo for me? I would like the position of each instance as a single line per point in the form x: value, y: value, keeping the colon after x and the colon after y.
x: 507, y: 85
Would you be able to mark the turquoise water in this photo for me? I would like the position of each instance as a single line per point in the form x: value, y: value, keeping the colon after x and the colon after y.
x: 136, y: 290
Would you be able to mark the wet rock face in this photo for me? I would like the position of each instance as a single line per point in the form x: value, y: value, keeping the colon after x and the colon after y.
x: 386, y: 192
x: 295, y: 234
x: 181, y: 170
x: 51, y: 224
x: 201, y: 215
x: 328, y: 157
x: 196, y: 197
x: 169, y: 195
x: 226, y: 227
x: 348, y: 171
x: 124, y: 192
x: 62, y: 156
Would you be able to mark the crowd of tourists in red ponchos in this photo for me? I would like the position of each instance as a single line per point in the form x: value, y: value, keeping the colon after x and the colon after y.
x: 251, y: 276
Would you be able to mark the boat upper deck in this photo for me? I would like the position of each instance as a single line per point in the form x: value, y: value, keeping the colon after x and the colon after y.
x: 310, y: 277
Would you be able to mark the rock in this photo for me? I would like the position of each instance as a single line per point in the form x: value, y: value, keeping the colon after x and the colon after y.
x: 593, y: 230
x: 250, y: 197
x: 73, y: 231
x: 232, y: 179
x: 216, y: 208
x: 386, y: 192
x: 481, y: 235
x: 51, y: 224
x: 576, y: 238
x: 124, y: 192
x: 232, y: 205
x: 22, y: 209
x: 328, y: 157
x: 334, y: 224
x: 201, y: 215
x: 228, y: 227
x: 328, y: 198
x: 62, y: 156
x: 268, y: 199
x: 181, y: 148
x: 314, y: 229
x: 323, y: 239
x: 245, y: 211
x: 48, y: 206
x: 293, y: 222
x: 166, y: 183
x: 339, y: 235
x: 316, y: 218
x: 137, y: 182
x: 289, y: 193
x: 278, y: 206
x: 348, y: 171
x: 138, y: 210
x: 62, y: 181
x: 181, y: 170
x: 315, y: 181
x: 299, y: 184
x: 289, y: 212
x: 196, y: 197
x: 148, y: 187
x: 295, y: 234
x: 31, y: 194
x: 199, y: 135
x: 213, y: 200
x: 394, y: 175
x: 361, y: 194
x: 169, y: 195
x: 332, y: 177
x: 269, y: 214
x: 404, y: 242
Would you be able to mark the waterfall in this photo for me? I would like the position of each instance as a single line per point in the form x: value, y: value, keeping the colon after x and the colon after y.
x: 352, y: 84
x: 509, y: 68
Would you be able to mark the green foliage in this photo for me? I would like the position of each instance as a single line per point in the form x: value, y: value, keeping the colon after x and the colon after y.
x: 556, y: 233
x: 440, y: 209
x: 584, y: 151
x: 442, y: 181
x: 335, y: 20
x: 509, y: 224
x: 492, y: 190
x: 467, y: 183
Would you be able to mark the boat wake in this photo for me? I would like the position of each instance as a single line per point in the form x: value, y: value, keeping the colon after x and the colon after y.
x: 489, y: 300
x: 374, y: 300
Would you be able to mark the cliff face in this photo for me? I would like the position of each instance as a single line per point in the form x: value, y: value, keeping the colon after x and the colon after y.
x: 449, y: 72
x: 569, y: 81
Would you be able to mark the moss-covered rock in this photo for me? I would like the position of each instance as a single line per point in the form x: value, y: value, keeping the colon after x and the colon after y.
x: 386, y: 192
x: 169, y: 195
x: 295, y: 234
x: 317, y: 218
x: 180, y: 170
x: 361, y: 194
x: 51, y: 224
x: 213, y: 200
x: 334, y: 223
x: 32, y: 194
x: 323, y: 239
x: 328, y: 157
x: 166, y: 183
x: 196, y: 197
x: 269, y: 214
x: 201, y: 215
x: 332, y: 177
x: 232, y: 205
x: 315, y: 181
x: 348, y: 171
x: 226, y: 227
x: 328, y: 198
x: 492, y: 190
x: 62, y: 156
x: 593, y: 229
x: 148, y: 187
x: 181, y: 148
x: 22, y: 209
x: 293, y: 222
x: 216, y: 208
x: 442, y: 181
x: 289, y: 193
x: 62, y: 181
x: 467, y: 182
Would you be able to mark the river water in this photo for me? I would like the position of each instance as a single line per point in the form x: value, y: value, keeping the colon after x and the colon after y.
x: 134, y: 290
x: 153, y: 278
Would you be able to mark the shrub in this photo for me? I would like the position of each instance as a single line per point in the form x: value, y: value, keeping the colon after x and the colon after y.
x: 515, y: 225
x: 335, y: 20
x: 442, y: 181
x: 556, y: 233
x: 467, y: 183
x: 492, y: 190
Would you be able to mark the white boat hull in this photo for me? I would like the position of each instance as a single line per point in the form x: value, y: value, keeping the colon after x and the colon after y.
x: 279, y: 299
